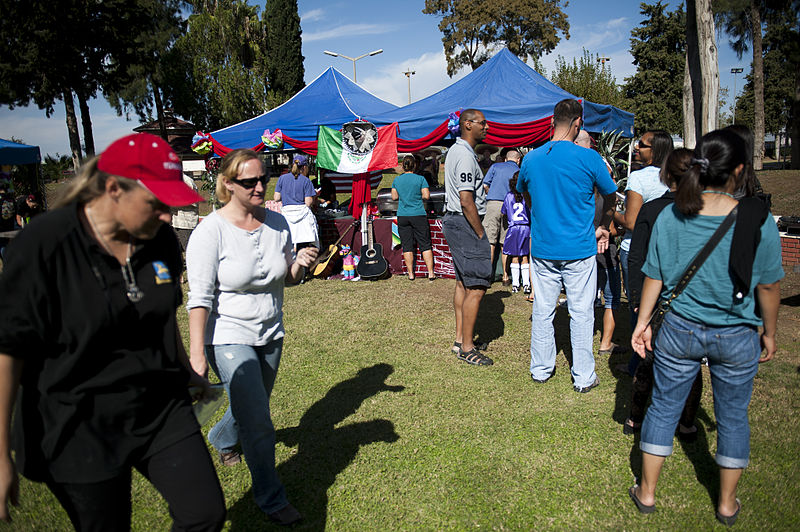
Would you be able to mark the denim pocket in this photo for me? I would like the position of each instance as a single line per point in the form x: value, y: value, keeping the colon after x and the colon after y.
x: 677, y: 338
x: 735, y: 346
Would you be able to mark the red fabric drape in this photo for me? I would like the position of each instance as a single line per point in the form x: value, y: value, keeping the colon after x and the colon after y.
x: 362, y: 193
x: 428, y: 140
x: 512, y: 135
x: 500, y: 134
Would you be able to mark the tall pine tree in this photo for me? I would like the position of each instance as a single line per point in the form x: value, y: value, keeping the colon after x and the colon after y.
x: 285, y: 70
x: 658, y: 47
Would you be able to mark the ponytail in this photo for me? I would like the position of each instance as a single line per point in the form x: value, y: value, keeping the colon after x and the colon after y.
x: 716, y: 158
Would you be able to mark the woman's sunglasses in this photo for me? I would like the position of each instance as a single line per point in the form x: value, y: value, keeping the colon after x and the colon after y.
x: 250, y: 182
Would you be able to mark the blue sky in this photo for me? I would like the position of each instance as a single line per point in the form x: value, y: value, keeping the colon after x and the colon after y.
x: 409, y: 39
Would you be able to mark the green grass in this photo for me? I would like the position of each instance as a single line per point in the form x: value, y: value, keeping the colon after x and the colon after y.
x: 380, y: 427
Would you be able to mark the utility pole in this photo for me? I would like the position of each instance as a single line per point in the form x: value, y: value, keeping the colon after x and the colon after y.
x: 408, y: 74
x: 735, y: 71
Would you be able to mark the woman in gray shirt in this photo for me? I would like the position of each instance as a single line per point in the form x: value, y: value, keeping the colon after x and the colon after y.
x: 238, y: 260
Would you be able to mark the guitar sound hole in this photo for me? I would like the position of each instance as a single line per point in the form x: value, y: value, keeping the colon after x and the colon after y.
x: 371, y: 253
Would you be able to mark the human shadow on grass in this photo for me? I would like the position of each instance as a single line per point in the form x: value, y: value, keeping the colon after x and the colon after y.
x: 489, y: 325
x: 705, y: 467
x: 791, y: 301
x: 618, y: 362
x: 323, y: 449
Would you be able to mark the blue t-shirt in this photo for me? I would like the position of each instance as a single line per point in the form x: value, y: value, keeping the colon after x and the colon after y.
x: 294, y: 191
x: 409, y: 189
x: 497, y: 179
x: 709, y: 297
x: 561, y: 177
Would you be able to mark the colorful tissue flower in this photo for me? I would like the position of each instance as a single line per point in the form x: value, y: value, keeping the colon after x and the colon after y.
x: 452, y: 123
x: 273, y: 141
x: 201, y: 143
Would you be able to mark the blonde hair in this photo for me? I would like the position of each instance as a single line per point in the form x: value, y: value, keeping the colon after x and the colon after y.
x: 231, y: 168
x: 90, y: 183
x: 296, y: 168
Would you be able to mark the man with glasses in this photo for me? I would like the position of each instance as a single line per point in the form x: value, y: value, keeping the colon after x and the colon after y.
x: 558, y: 180
x: 465, y: 205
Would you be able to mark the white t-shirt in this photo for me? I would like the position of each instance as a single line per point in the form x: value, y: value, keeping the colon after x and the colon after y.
x: 647, y: 183
x: 239, y: 276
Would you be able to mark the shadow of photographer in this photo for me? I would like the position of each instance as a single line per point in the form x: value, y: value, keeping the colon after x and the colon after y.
x: 323, y: 450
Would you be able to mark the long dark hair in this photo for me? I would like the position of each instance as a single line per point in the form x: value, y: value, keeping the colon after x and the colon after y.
x: 512, y: 186
x: 716, y: 157
x: 750, y: 183
x: 409, y: 163
x: 676, y: 165
x: 661, y: 146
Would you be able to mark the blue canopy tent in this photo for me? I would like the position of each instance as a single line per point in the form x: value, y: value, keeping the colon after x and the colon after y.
x: 15, y: 153
x: 330, y: 100
x: 516, y: 100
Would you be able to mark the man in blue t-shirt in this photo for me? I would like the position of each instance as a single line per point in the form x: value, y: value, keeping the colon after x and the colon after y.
x: 559, y: 180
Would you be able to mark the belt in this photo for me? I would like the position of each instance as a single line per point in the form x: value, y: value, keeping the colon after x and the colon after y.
x: 453, y: 213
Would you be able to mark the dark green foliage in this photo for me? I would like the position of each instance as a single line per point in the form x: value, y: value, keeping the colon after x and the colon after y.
x: 658, y: 46
x: 470, y: 30
x: 588, y: 78
x: 285, y: 63
x: 216, y: 73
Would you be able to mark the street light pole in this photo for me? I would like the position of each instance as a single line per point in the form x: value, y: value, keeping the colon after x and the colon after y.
x: 353, y: 59
x: 408, y: 74
x: 735, y: 71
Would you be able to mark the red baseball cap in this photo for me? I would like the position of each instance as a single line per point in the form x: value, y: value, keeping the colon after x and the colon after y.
x: 150, y: 161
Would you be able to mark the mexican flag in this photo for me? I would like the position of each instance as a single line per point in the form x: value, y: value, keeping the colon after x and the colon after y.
x: 333, y: 154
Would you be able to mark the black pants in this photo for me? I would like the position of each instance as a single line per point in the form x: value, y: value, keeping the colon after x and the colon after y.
x: 184, y: 475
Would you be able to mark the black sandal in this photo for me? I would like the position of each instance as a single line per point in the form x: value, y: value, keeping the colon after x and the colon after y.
x: 474, y: 357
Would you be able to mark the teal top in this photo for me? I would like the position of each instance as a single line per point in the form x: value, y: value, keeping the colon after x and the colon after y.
x: 709, y: 297
x: 409, y: 188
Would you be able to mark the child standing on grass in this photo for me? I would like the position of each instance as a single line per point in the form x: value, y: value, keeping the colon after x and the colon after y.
x: 517, y: 244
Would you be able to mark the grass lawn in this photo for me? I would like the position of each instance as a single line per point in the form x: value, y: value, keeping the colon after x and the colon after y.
x: 380, y: 427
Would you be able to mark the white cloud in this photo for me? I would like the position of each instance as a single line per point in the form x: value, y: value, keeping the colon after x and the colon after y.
x: 313, y: 15
x: 430, y: 76
x: 351, y: 30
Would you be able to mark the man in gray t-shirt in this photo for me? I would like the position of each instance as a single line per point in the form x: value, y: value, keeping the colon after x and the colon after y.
x: 465, y: 204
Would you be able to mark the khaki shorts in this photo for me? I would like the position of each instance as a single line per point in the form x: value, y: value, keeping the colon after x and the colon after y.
x: 495, y: 223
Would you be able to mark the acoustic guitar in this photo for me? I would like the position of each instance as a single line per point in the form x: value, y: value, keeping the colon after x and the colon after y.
x: 372, y: 264
x: 324, y: 262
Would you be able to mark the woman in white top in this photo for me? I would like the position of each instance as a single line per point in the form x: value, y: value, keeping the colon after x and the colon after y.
x: 238, y: 260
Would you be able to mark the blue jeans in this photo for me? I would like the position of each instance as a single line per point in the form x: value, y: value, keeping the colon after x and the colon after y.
x: 248, y: 373
x: 733, y: 354
x: 580, y: 280
x: 633, y: 362
x: 608, y: 281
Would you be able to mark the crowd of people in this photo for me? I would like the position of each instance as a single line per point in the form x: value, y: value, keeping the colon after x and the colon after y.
x: 710, y: 286
x: 108, y: 385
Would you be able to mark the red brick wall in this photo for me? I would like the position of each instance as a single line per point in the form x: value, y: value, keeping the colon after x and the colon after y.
x: 442, y: 261
x: 790, y: 250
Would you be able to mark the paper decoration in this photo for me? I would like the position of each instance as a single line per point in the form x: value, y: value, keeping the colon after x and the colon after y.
x: 201, y: 143
x: 452, y: 123
x: 273, y: 141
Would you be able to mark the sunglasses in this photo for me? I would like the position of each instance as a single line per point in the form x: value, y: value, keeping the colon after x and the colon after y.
x: 251, y: 182
x: 642, y: 146
x: 482, y: 122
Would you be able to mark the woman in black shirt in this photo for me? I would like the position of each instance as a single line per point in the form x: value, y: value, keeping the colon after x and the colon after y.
x: 90, y: 338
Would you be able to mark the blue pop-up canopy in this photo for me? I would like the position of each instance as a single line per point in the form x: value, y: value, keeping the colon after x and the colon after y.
x: 15, y: 153
x: 330, y: 100
x: 508, y: 92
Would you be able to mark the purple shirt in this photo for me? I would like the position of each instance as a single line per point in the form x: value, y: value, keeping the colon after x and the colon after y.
x: 294, y: 191
x: 516, y: 213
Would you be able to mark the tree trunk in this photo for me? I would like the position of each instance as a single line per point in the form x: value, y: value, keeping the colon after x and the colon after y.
x: 758, y: 87
x: 709, y: 66
x: 689, y: 138
x: 693, y: 83
x: 794, y: 129
x: 72, y: 130
x: 162, y: 128
x: 86, y: 122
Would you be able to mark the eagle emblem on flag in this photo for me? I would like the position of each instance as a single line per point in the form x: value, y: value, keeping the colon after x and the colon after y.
x: 359, y: 137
